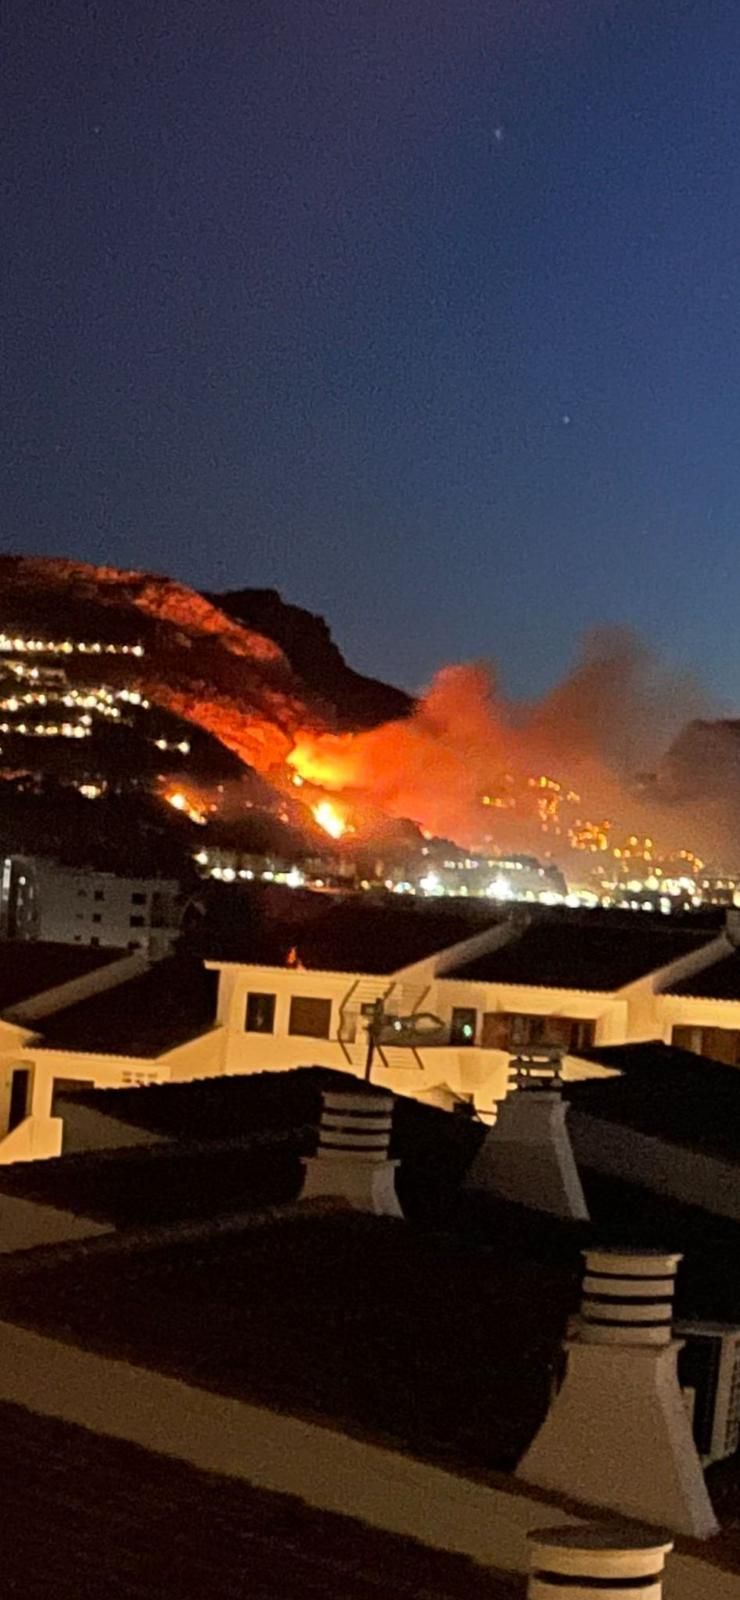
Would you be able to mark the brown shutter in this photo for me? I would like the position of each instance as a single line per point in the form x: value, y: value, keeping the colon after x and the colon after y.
x: 495, y: 1030
x: 310, y: 1017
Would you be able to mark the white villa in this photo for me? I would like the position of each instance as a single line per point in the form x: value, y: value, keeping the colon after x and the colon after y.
x: 576, y: 981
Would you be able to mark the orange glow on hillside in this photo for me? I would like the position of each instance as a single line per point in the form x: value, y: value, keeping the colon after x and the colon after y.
x: 329, y: 818
x: 181, y: 802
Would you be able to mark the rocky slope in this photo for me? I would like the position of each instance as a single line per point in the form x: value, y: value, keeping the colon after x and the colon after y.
x: 253, y: 688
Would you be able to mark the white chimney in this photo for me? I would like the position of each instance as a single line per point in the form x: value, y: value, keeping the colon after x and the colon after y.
x: 352, y: 1160
x: 618, y: 1433
x: 574, y: 1563
x: 527, y: 1156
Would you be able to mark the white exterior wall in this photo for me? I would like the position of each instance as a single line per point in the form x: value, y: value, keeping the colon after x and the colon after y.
x: 688, y: 1011
x: 438, y: 1074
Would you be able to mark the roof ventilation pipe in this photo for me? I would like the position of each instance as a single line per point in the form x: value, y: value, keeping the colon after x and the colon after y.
x: 618, y: 1432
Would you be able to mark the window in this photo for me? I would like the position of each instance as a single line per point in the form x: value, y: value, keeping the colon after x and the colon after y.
x: 82, y: 894
x: 136, y: 922
x: 96, y: 916
x: 138, y: 899
x: 18, y: 1096
x: 260, y: 1015
x: 720, y: 1044
x: 99, y: 894
x: 95, y: 940
x: 310, y: 1017
x: 521, y: 1030
x: 463, y: 1025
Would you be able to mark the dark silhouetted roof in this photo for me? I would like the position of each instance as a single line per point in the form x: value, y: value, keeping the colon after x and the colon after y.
x: 721, y: 981
x: 173, y: 1001
x: 29, y: 968
x: 358, y: 935
x: 670, y: 1094
x: 451, y: 1340
x: 163, y: 1183
x: 87, y: 1515
x: 588, y: 952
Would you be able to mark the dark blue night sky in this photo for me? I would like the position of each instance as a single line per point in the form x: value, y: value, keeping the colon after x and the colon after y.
x: 426, y: 313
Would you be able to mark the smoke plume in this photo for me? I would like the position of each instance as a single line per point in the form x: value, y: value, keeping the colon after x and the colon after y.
x: 468, y: 764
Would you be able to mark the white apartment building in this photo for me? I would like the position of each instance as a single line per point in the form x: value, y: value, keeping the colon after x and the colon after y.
x: 40, y: 899
x: 576, y: 982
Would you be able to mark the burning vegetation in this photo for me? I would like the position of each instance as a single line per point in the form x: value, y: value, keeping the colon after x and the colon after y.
x: 581, y: 774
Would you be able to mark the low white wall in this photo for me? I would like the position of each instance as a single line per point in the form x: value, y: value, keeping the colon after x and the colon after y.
x: 34, y: 1139
x: 86, y: 1128
x: 324, y: 1468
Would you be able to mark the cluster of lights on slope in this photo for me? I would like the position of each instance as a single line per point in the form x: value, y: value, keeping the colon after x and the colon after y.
x: 49, y: 730
x: 65, y: 647
x: 101, y: 701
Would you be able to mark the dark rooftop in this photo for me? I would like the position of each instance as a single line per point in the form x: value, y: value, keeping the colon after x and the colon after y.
x: 462, y: 1334
x: 721, y: 981
x: 589, y: 952
x: 173, y: 1001
x: 223, y: 1107
x: 357, y: 934
x: 29, y: 967
x: 668, y: 1093
x: 439, y: 1336
x: 224, y: 1144
x: 85, y: 1515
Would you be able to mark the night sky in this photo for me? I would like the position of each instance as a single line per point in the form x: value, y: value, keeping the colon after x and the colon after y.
x: 426, y: 313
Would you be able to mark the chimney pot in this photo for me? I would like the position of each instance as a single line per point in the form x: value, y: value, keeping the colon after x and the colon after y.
x: 599, y: 1560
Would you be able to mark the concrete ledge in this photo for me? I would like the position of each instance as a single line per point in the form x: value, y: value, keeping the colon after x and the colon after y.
x: 324, y: 1468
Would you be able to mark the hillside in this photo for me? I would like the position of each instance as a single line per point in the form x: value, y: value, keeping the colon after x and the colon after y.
x: 130, y: 685
x: 306, y: 641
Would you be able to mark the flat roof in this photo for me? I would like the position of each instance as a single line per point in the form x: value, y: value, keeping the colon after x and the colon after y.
x: 721, y: 981
x: 592, y: 952
x: 32, y: 967
x: 151, y: 1013
x: 355, y: 935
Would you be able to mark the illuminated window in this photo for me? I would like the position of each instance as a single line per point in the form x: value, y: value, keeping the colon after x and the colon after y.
x: 260, y: 1013
x: 463, y: 1025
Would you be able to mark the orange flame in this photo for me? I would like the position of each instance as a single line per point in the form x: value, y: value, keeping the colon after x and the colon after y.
x: 329, y: 818
x: 181, y: 802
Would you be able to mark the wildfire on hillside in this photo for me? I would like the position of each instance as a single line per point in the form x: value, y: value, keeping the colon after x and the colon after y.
x: 188, y: 804
x: 557, y: 778
x: 330, y: 818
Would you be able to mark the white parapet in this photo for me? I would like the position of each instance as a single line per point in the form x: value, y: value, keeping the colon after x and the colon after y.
x: 352, y: 1160
x: 618, y: 1434
x: 592, y: 1561
x: 527, y: 1155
